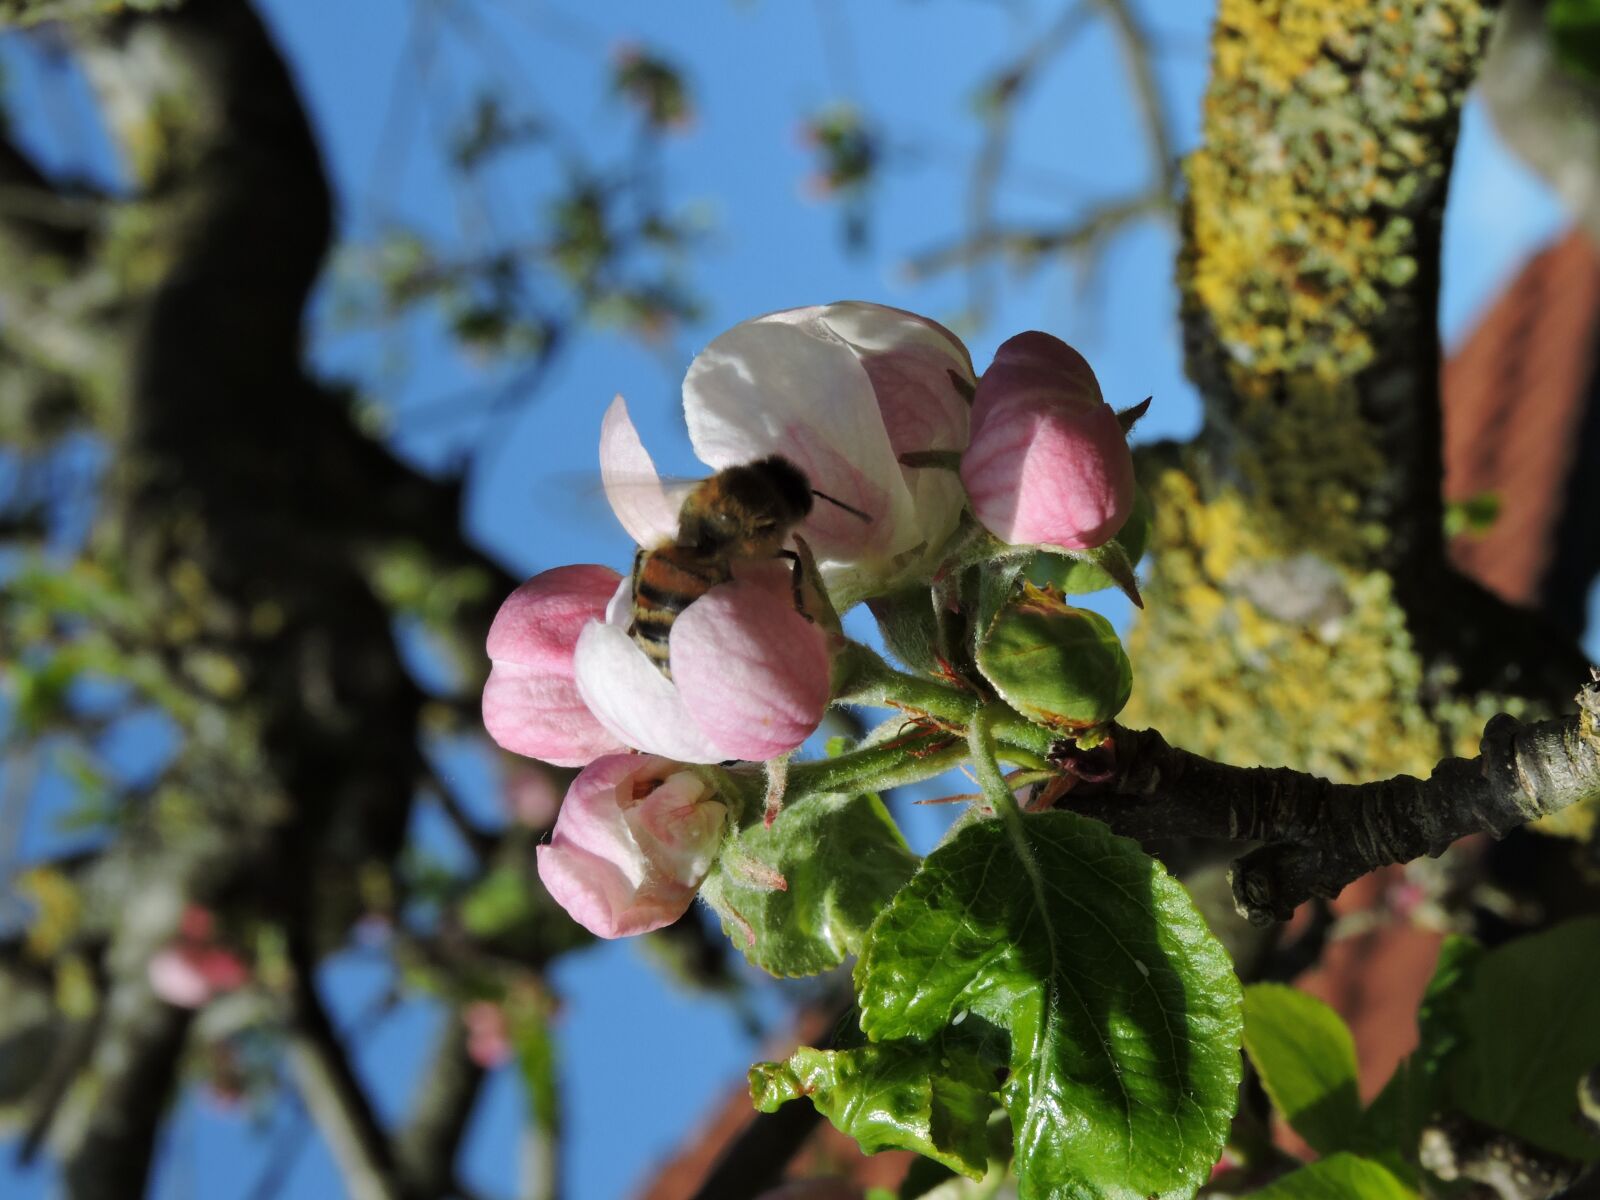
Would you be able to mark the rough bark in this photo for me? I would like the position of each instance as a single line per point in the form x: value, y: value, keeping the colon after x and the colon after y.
x: 1320, y: 835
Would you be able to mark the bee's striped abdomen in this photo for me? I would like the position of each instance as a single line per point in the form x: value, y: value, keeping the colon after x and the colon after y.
x: 665, y: 582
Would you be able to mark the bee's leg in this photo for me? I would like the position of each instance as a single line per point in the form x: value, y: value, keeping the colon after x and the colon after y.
x: 797, y: 579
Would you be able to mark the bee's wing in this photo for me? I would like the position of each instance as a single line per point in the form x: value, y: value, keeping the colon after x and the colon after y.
x: 591, y: 499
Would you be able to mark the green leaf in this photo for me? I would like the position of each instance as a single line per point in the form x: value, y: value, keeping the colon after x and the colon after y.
x: 841, y: 859
x: 498, y: 905
x: 1338, y: 1177
x: 1393, y: 1122
x: 1574, y: 27
x: 931, y: 1097
x: 1529, y: 1026
x: 536, y: 1063
x: 1307, y: 1061
x: 1123, y: 1010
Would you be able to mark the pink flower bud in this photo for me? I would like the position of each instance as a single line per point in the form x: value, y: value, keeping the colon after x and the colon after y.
x: 750, y: 675
x: 1048, y: 463
x: 191, y: 974
x: 634, y: 839
x: 530, y: 703
x: 488, y: 1034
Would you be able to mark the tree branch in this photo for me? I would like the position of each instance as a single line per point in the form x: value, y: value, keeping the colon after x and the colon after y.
x: 332, y: 1093
x: 1319, y: 835
x: 428, y: 1144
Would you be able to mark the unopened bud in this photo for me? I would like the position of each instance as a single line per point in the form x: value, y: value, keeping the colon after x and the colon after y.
x: 1059, y: 666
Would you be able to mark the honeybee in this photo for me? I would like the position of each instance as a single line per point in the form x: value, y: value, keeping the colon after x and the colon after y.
x: 740, y: 513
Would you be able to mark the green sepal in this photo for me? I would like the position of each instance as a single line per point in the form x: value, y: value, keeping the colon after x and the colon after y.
x: 934, y: 1098
x: 840, y: 859
x: 1061, y: 667
x: 997, y: 585
x: 1129, y: 417
x: 1075, y: 572
x: 1306, y: 1058
x: 910, y: 627
x: 1122, y: 1009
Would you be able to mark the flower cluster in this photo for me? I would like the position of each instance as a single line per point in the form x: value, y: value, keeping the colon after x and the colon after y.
x: 196, y: 967
x: 715, y: 649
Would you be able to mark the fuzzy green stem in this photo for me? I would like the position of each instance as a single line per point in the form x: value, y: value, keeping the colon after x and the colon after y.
x: 980, y: 744
x: 875, y: 768
x: 865, y: 678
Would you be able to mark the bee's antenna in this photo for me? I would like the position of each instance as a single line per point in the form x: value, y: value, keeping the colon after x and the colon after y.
x: 854, y: 512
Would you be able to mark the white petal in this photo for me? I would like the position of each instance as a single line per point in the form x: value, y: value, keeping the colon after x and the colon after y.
x: 632, y: 485
x: 787, y: 384
x: 634, y: 700
x: 874, y: 327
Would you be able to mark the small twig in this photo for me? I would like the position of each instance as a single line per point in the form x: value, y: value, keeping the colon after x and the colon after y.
x: 1138, y: 63
x: 1031, y: 245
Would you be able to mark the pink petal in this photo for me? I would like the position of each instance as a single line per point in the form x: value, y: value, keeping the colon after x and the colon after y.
x: 177, y: 979
x: 531, y: 703
x: 753, y: 672
x: 542, y: 715
x: 622, y: 863
x: 598, y: 896
x: 632, y: 485
x: 678, y: 826
x: 789, y: 385
x: 538, y: 624
x: 632, y: 699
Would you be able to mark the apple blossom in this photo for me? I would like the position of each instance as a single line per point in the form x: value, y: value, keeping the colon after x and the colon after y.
x: 531, y: 703
x: 843, y: 391
x: 1048, y: 463
x: 635, y: 837
x: 750, y: 675
x: 192, y: 969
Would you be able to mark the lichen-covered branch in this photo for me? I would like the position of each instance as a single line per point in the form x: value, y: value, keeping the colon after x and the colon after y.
x: 1320, y: 835
x: 1298, y: 577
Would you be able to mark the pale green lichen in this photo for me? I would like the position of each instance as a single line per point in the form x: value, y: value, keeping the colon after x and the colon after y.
x: 1312, y: 205
x: 1339, y: 694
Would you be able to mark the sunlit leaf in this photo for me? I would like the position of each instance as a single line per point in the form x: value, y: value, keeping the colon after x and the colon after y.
x: 931, y: 1097
x: 1307, y: 1062
x: 1338, y: 1177
x: 1123, y: 1010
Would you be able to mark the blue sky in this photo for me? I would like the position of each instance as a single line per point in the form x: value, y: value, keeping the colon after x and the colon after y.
x: 642, y: 1060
